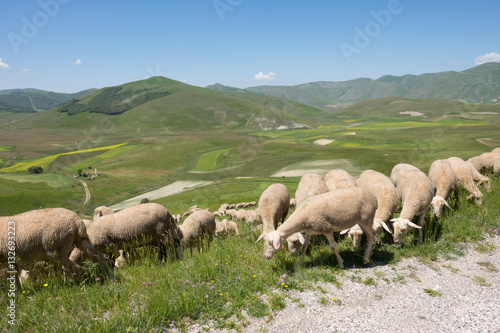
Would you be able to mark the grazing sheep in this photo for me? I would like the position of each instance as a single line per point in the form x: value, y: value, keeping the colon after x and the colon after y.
x: 398, y: 169
x: 250, y: 204
x: 251, y: 216
x: 416, y: 192
x: 274, y: 203
x: 120, y: 262
x: 177, y: 218
x: 324, y: 214
x: 225, y: 227
x: 46, y: 234
x: 338, y: 179
x: 486, y: 162
x: 443, y: 180
x: 479, y: 178
x: 309, y: 185
x: 198, y: 226
x: 135, y: 226
x: 103, y: 210
x: 293, y: 203
x: 465, y: 178
x: 496, y: 151
x: 354, y: 233
x: 387, y: 199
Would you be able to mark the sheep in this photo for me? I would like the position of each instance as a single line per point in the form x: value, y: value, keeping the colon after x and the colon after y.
x: 120, y: 262
x: 443, y: 180
x: 465, y: 178
x: 479, y: 178
x: 225, y: 227
x: 486, y: 162
x: 324, y: 214
x: 310, y: 184
x: 251, y: 216
x: 133, y: 227
x: 250, y: 204
x: 177, y: 218
x: 199, y: 225
x: 339, y: 179
x: 273, y: 205
x: 416, y: 192
x: 293, y: 202
x: 496, y: 151
x: 103, y: 210
x: 398, y: 169
x: 387, y: 199
x: 46, y: 234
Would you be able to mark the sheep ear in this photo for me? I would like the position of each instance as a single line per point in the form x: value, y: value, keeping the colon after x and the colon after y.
x: 384, y: 225
x: 260, y: 237
x: 411, y: 224
x: 344, y: 231
x: 277, y: 241
x: 301, y: 239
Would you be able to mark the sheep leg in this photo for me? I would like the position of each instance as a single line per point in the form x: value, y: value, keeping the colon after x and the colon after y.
x: 368, y: 251
x: 304, y: 248
x: 86, y: 247
x: 333, y: 245
x: 162, y: 251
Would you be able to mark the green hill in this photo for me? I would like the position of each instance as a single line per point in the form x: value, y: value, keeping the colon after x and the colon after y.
x: 480, y: 84
x: 33, y: 100
x: 163, y: 104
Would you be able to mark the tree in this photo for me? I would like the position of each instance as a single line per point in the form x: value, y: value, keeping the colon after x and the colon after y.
x: 35, y: 169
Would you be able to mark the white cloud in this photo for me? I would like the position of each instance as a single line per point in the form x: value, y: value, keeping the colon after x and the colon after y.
x: 77, y: 62
x: 264, y: 77
x: 488, y: 57
x: 26, y: 70
x: 3, y: 65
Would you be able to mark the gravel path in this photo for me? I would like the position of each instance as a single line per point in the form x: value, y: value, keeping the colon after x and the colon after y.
x: 463, y: 295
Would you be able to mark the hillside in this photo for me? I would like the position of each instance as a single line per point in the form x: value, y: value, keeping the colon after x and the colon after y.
x: 474, y: 85
x: 160, y: 103
x: 33, y: 100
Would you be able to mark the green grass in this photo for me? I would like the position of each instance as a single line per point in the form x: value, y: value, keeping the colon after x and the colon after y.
x: 208, y: 161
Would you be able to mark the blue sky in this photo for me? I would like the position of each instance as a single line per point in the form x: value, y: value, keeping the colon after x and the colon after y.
x: 71, y: 45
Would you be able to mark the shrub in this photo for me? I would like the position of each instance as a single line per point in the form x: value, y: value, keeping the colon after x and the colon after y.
x: 35, y: 169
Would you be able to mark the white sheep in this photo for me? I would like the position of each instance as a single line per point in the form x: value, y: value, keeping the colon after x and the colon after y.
x: 324, y: 214
x: 444, y: 181
x: 310, y: 184
x: 338, y: 179
x: 486, y: 162
x: 226, y: 227
x: 293, y: 203
x: 416, y: 192
x: 479, y: 178
x: 103, y: 210
x: 198, y: 226
x: 398, y: 169
x: 139, y: 225
x: 387, y: 199
x: 251, y: 216
x: 496, y: 151
x: 273, y: 206
x: 45, y: 234
x: 465, y: 178
x: 120, y: 262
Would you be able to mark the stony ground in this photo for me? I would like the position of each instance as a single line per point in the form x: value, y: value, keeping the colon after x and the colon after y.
x: 460, y: 294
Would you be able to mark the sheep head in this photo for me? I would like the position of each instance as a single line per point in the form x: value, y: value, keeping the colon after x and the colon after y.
x: 401, y: 228
x: 478, y: 197
x: 438, y: 203
x: 355, y: 233
x: 103, y: 210
x: 379, y: 226
x: 272, y: 243
x: 295, y: 242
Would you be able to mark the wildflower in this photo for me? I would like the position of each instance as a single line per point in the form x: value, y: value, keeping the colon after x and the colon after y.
x: 187, y: 281
x: 286, y: 286
x: 144, y: 283
x: 221, y: 294
x: 97, y: 279
x: 45, y: 285
x: 212, y: 287
x: 334, y: 298
x: 282, y: 283
x: 237, y: 278
x: 149, y: 283
x: 254, y: 275
x: 206, y: 296
x: 212, y: 281
x: 57, y: 298
x: 173, y: 322
x: 283, y: 276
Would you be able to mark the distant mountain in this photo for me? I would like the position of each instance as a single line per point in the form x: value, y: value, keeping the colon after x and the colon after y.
x: 159, y: 103
x: 33, y: 100
x: 474, y: 85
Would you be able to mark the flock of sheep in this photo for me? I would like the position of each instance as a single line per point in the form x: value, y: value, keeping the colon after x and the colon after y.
x: 336, y: 203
